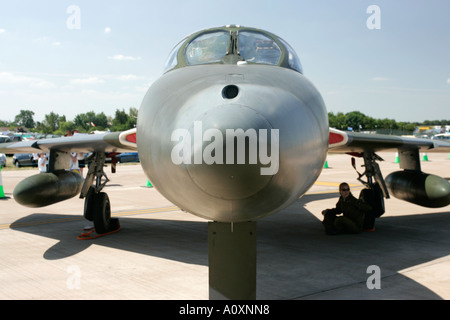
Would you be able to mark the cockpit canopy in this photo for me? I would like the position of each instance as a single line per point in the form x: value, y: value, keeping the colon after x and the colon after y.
x: 232, y: 45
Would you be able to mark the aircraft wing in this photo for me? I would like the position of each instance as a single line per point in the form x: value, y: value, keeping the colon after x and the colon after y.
x: 348, y: 142
x: 108, y: 142
x: 412, y: 184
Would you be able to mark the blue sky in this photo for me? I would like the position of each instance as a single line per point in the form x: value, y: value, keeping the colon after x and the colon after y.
x: 118, y: 48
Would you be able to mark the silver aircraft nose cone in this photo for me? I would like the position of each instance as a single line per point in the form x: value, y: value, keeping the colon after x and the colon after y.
x: 230, y: 149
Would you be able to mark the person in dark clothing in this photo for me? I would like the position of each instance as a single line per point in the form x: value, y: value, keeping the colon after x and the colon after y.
x: 353, y: 211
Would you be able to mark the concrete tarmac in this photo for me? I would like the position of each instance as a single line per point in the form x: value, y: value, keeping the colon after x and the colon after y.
x: 161, y: 252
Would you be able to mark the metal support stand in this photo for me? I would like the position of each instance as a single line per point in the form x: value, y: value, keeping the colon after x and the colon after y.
x: 232, y: 260
x: 372, y: 172
x: 95, y: 174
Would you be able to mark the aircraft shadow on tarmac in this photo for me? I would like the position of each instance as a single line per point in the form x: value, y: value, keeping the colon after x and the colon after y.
x: 296, y: 260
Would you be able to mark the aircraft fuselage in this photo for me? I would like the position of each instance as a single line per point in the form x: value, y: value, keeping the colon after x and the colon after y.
x: 232, y: 143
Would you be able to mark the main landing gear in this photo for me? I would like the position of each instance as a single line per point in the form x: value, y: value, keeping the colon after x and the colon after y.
x: 375, y: 190
x: 97, y: 207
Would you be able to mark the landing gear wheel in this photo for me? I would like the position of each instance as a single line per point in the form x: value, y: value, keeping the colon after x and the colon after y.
x: 98, y: 207
x: 373, y: 197
x: 89, y: 204
x: 102, y: 214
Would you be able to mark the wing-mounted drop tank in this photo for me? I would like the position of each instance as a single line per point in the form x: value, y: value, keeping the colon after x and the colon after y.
x: 420, y: 188
x: 44, y: 189
x: 415, y: 186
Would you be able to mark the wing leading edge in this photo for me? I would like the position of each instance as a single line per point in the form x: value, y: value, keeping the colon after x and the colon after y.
x: 347, y: 142
x: 108, y: 142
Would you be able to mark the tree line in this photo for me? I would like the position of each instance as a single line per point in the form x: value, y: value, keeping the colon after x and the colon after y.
x: 358, y: 121
x: 54, y: 123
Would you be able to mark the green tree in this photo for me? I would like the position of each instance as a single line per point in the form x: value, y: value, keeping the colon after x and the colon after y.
x: 90, y: 121
x: 50, y: 123
x: 340, y: 121
x: 25, y: 119
x: 132, y: 120
x: 119, y: 123
x: 355, y: 119
x: 82, y: 121
x: 65, y: 126
x: 123, y: 121
x: 4, y: 123
x: 100, y: 121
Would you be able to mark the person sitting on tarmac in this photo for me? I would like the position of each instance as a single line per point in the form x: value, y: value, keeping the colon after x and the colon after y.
x: 353, y: 211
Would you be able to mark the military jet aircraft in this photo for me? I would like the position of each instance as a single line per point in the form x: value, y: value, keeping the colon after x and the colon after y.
x: 231, y: 132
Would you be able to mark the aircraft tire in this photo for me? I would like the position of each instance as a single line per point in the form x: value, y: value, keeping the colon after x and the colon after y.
x: 89, y: 204
x: 378, y: 202
x: 102, y: 213
x: 373, y: 197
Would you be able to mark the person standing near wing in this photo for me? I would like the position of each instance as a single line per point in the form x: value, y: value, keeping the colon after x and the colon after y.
x: 353, y: 211
x: 42, y: 162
